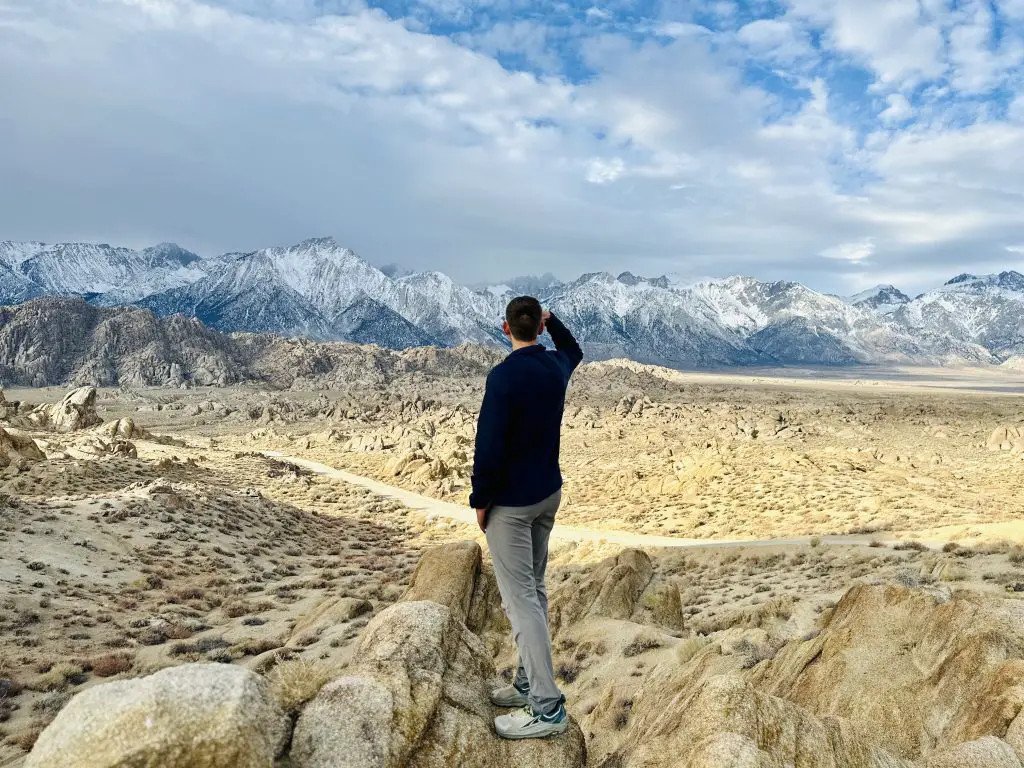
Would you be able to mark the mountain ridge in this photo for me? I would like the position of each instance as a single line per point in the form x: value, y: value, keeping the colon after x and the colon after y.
x: 321, y: 290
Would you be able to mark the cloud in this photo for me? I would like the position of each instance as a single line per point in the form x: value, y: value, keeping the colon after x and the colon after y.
x: 694, y: 143
x: 774, y: 38
x: 854, y: 252
x: 898, y: 109
x: 602, y: 171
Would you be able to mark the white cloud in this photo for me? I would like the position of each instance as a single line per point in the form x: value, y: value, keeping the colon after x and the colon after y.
x: 1014, y: 9
x: 978, y: 64
x: 601, y: 171
x: 1016, y: 110
x: 898, y: 109
x: 853, y: 252
x: 775, y: 38
x: 900, y: 44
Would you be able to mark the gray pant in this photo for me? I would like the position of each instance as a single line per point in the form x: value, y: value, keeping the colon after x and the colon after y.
x: 518, y: 540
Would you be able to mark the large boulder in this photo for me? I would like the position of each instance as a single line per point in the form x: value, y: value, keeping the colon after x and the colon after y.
x: 193, y: 716
x: 1006, y: 439
x: 75, y: 411
x: 727, y: 722
x: 123, y: 429
x: 986, y: 752
x: 416, y: 696
x: 447, y: 575
x: 611, y: 591
x: 921, y: 673
x: 18, y: 450
x: 7, y: 409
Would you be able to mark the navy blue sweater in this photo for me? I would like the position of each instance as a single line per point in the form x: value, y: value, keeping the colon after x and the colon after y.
x: 518, y: 434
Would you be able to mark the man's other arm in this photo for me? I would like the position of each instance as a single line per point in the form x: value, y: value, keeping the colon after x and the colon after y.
x: 564, y: 341
x: 491, y: 431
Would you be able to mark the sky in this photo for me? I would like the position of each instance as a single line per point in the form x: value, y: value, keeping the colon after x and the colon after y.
x: 841, y: 143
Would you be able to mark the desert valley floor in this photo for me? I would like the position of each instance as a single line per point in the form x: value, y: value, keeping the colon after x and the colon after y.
x: 847, y: 570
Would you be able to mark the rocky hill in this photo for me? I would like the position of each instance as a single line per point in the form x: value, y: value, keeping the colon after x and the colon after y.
x: 320, y: 290
x: 55, y: 341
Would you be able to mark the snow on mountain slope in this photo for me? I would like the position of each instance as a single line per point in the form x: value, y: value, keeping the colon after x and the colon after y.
x: 15, y: 289
x: 788, y: 322
x: 644, y: 321
x: 87, y: 269
x: 244, y: 297
x: 367, y: 321
x: 449, y: 311
x: 320, y: 289
x: 987, y: 310
x: 884, y: 299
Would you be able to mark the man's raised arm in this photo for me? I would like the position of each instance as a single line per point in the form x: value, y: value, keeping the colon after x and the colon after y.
x: 564, y: 341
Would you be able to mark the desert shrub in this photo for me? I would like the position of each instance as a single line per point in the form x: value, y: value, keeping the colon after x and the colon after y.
x: 58, y: 678
x: 52, y: 703
x: 916, y: 546
x: 177, y: 631
x: 152, y: 636
x: 623, y: 709
x: 293, y: 683
x: 112, y: 664
x: 690, y: 647
x: 28, y: 736
x: 256, y: 647
x: 567, y: 672
x: 642, y: 644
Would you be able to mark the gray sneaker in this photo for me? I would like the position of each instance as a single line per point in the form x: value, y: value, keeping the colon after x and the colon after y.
x: 509, y: 697
x: 527, y: 724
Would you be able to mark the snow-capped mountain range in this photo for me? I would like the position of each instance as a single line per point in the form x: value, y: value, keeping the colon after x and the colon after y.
x: 322, y: 290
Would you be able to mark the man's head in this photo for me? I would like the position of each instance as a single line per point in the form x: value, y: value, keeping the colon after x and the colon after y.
x: 524, y: 319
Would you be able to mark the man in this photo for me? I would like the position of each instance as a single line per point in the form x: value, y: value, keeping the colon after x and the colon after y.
x: 517, y: 487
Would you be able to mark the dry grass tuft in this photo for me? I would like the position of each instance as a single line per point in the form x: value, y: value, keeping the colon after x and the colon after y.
x: 690, y: 647
x: 293, y: 683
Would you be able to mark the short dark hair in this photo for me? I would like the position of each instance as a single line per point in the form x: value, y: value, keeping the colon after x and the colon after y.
x: 523, y: 316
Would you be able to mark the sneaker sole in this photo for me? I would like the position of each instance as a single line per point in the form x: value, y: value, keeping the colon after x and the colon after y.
x: 509, y: 704
x: 524, y: 736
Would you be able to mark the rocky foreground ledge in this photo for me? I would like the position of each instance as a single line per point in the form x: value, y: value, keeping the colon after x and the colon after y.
x: 893, y: 678
x: 416, y: 693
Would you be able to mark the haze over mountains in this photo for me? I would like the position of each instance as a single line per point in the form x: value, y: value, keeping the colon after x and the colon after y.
x: 324, y: 291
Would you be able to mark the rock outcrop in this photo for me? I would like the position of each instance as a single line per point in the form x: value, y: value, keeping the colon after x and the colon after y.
x: 17, y: 450
x: 194, y: 716
x: 612, y: 590
x: 416, y: 695
x: 986, y: 752
x: 728, y: 723
x: 75, y: 411
x: 447, y: 575
x: 920, y: 673
x: 1006, y: 439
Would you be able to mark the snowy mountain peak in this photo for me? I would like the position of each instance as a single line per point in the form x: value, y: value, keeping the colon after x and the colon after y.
x: 881, y: 298
x: 962, y: 278
x: 628, y: 278
x: 1004, y: 281
x: 169, y: 254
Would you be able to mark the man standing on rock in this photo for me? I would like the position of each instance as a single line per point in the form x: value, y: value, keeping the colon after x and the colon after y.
x: 517, y: 487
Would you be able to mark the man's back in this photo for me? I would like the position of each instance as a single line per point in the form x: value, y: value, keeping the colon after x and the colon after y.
x: 518, y: 435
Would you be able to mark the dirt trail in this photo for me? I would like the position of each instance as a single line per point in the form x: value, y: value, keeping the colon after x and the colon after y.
x: 444, y: 509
